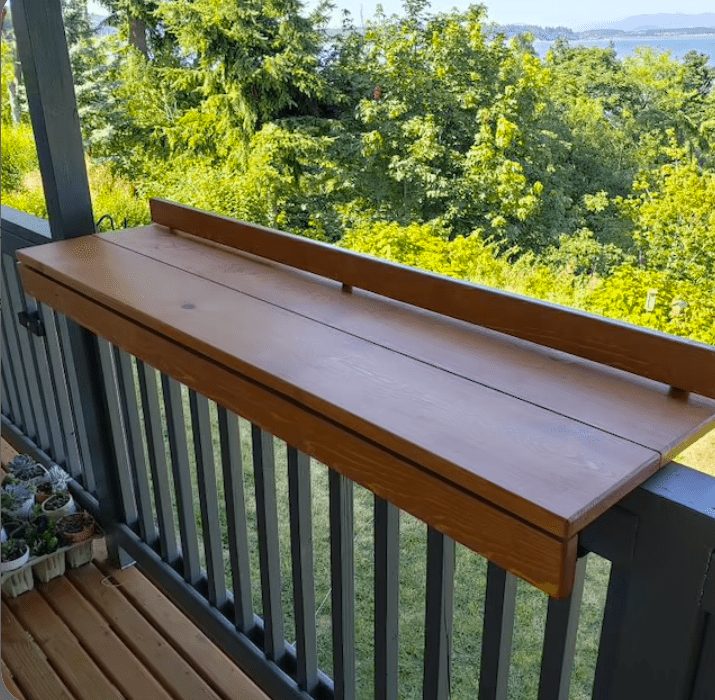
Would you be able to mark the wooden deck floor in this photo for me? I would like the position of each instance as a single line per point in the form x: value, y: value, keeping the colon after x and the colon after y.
x: 102, y: 634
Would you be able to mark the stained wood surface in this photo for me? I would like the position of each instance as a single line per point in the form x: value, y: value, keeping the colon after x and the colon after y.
x: 9, y: 680
x: 508, y: 451
x: 681, y: 363
x: 595, y: 394
x: 427, y: 411
x: 528, y: 551
x: 78, y: 672
x: 28, y: 664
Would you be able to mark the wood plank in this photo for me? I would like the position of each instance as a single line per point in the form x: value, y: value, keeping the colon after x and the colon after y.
x: 27, y: 663
x: 506, y: 450
x: 674, y: 361
x: 527, y: 551
x: 8, y: 453
x: 598, y: 395
x: 140, y: 636
x: 79, y: 673
x: 100, y: 642
x: 9, y: 681
x: 198, y: 650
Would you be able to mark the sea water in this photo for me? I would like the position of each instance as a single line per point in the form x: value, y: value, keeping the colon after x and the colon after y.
x: 677, y: 45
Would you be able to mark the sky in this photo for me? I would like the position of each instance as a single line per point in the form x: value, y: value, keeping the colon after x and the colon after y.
x: 569, y: 13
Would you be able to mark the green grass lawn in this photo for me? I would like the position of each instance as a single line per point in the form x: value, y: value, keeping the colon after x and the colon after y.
x: 469, y: 586
x: 700, y: 455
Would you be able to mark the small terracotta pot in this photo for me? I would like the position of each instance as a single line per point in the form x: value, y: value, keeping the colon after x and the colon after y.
x: 88, y: 529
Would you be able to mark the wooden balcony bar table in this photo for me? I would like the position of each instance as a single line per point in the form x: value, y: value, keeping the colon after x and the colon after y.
x: 506, y: 423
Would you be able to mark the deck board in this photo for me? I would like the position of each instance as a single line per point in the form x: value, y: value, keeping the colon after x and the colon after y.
x: 72, y: 664
x: 106, y: 648
x: 9, y: 681
x: 28, y: 665
x: 172, y: 624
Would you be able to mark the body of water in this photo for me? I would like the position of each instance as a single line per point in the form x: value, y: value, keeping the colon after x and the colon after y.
x: 677, y: 45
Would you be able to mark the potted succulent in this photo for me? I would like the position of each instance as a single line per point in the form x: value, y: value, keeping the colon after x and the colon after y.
x: 45, y: 544
x: 55, y: 481
x: 58, y: 505
x: 24, y: 468
x: 43, y: 490
x: 16, y: 576
x: 14, y: 554
x: 17, y: 529
x: 16, y: 502
x: 76, y: 528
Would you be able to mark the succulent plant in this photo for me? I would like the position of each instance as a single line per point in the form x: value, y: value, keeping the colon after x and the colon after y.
x: 20, y: 462
x: 23, y: 467
x: 17, y: 502
x: 59, y: 479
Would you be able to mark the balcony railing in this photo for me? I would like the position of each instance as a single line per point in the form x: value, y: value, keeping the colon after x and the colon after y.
x: 221, y: 558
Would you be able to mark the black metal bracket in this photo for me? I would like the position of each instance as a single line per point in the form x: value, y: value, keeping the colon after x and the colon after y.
x: 32, y: 322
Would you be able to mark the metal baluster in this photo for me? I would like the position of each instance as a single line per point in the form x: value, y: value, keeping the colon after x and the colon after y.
x: 74, y: 395
x: 438, y: 616
x: 268, y: 544
x: 135, y: 447
x: 232, y: 464
x: 499, y: 613
x: 342, y: 562
x: 387, y: 599
x: 176, y: 428
x: 560, y: 640
x: 124, y: 478
x: 208, y: 498
x: 301, y: 540
x: 12, y: 331
x: 46, y: 385
x: 12, y: 407
x: 154, y: 432
x: 27, y: 354
x: 54, y: 353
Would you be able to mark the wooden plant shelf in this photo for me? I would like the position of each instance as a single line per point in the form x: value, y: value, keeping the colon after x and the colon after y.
x: 506, y: 423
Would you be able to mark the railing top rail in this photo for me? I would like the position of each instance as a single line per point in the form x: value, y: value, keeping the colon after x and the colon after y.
x: 684, y: 364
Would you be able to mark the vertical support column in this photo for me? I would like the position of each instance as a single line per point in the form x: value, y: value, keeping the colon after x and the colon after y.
x: 651, y: 644
x: 42, y: 48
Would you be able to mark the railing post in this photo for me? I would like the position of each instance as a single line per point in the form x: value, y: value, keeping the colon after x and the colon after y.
x: 656, y: 615
x: 42, y: 48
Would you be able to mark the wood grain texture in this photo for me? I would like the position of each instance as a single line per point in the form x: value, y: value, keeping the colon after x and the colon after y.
x: 674, y: 361
x: 543, y: 467
x: 635, y: 408
x: 10, y: 685
x: 100, y: 642
x: 27, y: 663
x: 77, y: 670
x: 543, y: 560
x: 196, y: 648
x: 140, y: 637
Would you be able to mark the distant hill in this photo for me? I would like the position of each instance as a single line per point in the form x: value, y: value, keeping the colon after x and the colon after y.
x: 661, y: 20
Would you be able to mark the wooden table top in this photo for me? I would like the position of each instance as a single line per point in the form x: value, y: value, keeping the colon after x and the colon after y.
x: 548, y: 438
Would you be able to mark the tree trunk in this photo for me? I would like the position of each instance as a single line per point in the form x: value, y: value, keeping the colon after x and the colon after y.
x: 137, y: 34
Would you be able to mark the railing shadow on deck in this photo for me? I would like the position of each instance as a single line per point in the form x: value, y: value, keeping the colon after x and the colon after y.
x: 256, y: 568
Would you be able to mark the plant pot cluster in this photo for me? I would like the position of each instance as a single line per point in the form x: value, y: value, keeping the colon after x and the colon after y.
x: 43, y: 530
